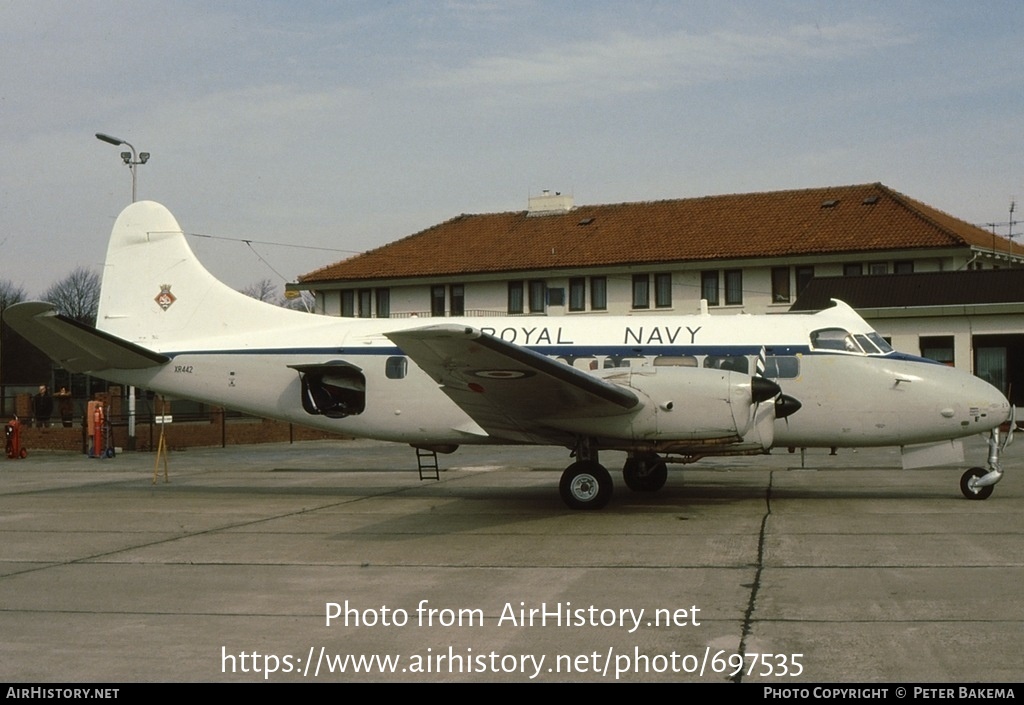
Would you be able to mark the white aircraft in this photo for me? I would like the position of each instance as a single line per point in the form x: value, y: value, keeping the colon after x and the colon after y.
x: 660, y: 388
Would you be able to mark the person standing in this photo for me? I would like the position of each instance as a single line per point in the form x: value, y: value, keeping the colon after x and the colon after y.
x: 42, y: 406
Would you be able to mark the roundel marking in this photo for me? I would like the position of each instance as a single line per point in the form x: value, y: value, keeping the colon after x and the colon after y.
x: 502, y: 374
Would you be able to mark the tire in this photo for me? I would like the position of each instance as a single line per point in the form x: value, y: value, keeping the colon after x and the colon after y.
x: 23, y: 453
x: 977, y: 493
x: 109, y: 453
x: 645, y: 473
x: 585, y: 485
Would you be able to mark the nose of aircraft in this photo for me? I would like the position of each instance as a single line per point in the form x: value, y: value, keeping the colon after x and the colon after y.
x: 991, y: 404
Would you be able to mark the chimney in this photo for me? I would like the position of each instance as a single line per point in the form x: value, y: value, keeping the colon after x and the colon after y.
x: 549, y: 204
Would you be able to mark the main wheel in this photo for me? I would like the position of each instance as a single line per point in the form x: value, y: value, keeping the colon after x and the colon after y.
x: 646, y: 473
x: 585, y: 485
x: 977, y: 492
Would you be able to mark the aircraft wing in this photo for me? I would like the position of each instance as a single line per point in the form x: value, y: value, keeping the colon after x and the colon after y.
x: 76, y: 346
x: 507, y: 389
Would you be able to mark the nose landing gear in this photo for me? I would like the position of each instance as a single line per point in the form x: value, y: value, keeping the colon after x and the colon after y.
x: 978, y: 483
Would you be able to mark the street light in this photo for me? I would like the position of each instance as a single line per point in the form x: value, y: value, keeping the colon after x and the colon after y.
x: 129, y: 158
x: 132, y: 161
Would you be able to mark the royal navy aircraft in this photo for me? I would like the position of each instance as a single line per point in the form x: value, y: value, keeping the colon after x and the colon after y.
x: 660, y: 389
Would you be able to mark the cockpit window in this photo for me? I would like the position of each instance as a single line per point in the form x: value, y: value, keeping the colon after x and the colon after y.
x: 834, y: 339
x: 879, y: 342
x: 869, y: 347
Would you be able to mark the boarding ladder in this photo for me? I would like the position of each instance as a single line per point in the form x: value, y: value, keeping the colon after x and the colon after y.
x: 427, y: 462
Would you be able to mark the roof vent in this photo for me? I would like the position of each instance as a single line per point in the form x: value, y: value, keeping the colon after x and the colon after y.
x: 585, y: 221
x: 832, y: 203
x: 549, y: 204
x: 870, y: 201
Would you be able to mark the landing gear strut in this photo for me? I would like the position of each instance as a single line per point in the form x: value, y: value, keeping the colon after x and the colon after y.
x: 977, y: 483
x: 586, y: 483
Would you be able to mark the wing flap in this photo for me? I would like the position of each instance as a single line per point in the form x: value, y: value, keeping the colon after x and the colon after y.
x: 75, y: 346
x: 509, y: 390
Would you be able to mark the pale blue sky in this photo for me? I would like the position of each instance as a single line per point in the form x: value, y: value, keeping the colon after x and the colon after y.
x: 350, y: 124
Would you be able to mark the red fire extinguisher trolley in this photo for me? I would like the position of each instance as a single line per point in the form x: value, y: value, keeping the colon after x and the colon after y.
x: 13, y: 431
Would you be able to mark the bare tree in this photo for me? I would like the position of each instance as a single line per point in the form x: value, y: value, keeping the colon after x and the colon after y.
x: 77, y: 295
x: 10, y: 294
x: 263, y: 290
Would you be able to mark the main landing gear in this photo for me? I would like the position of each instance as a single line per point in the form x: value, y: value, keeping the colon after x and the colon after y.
x: 586, y: 484
x: 978, y: 483
x: 645, y: 472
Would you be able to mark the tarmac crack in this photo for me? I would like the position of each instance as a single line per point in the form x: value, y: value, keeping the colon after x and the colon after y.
x: 748, y: 616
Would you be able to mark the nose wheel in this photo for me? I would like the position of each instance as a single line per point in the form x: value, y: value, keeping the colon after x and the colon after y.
x: 969, y: 484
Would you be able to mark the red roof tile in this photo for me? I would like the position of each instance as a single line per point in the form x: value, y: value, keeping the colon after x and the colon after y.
x: 861, y: 218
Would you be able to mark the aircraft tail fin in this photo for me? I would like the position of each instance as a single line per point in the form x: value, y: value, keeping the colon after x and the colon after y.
x: 156, y: 293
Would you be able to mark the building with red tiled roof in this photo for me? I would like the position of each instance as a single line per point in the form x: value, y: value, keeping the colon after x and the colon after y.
x: 751, y: 252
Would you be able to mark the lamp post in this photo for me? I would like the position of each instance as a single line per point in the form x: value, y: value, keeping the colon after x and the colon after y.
x: 132, y: 158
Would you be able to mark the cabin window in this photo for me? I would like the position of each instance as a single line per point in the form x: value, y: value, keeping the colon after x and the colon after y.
x: 396, y: 367
x: 733, y: 363
x: 734, y: 287
x: 577, y: 294
x: 709, y: 287
x: 515, y: 297
x: 598, y: 294
x: 663, y: 290
x: 782, y: 367
x: 675, y: 361
x: 641, y: 291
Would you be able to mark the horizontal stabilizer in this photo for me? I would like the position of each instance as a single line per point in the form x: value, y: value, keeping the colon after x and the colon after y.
x: 75, y: 346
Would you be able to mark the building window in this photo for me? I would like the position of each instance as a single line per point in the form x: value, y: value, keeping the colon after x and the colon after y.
x: 905, y: 266
x: 538, y: 295
x: 938, y: 348
x: 780, y: 285
x: 878, y: 268
x: 598, y: 294
x: 577, y: 294
x: 853, y: 269
x: 437, y: 300
x: 515, y: 297
x: 383, y: 303
x: 641, y: 291
x: 366, y: 303
x: 663, y: 290
x: 733, y: 287
x: 804, y: 275
x: 348, y: 303
x: 457, y: 295
x: 709, y: 287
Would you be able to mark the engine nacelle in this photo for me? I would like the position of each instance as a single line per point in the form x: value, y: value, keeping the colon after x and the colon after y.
x: 686, y: 404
